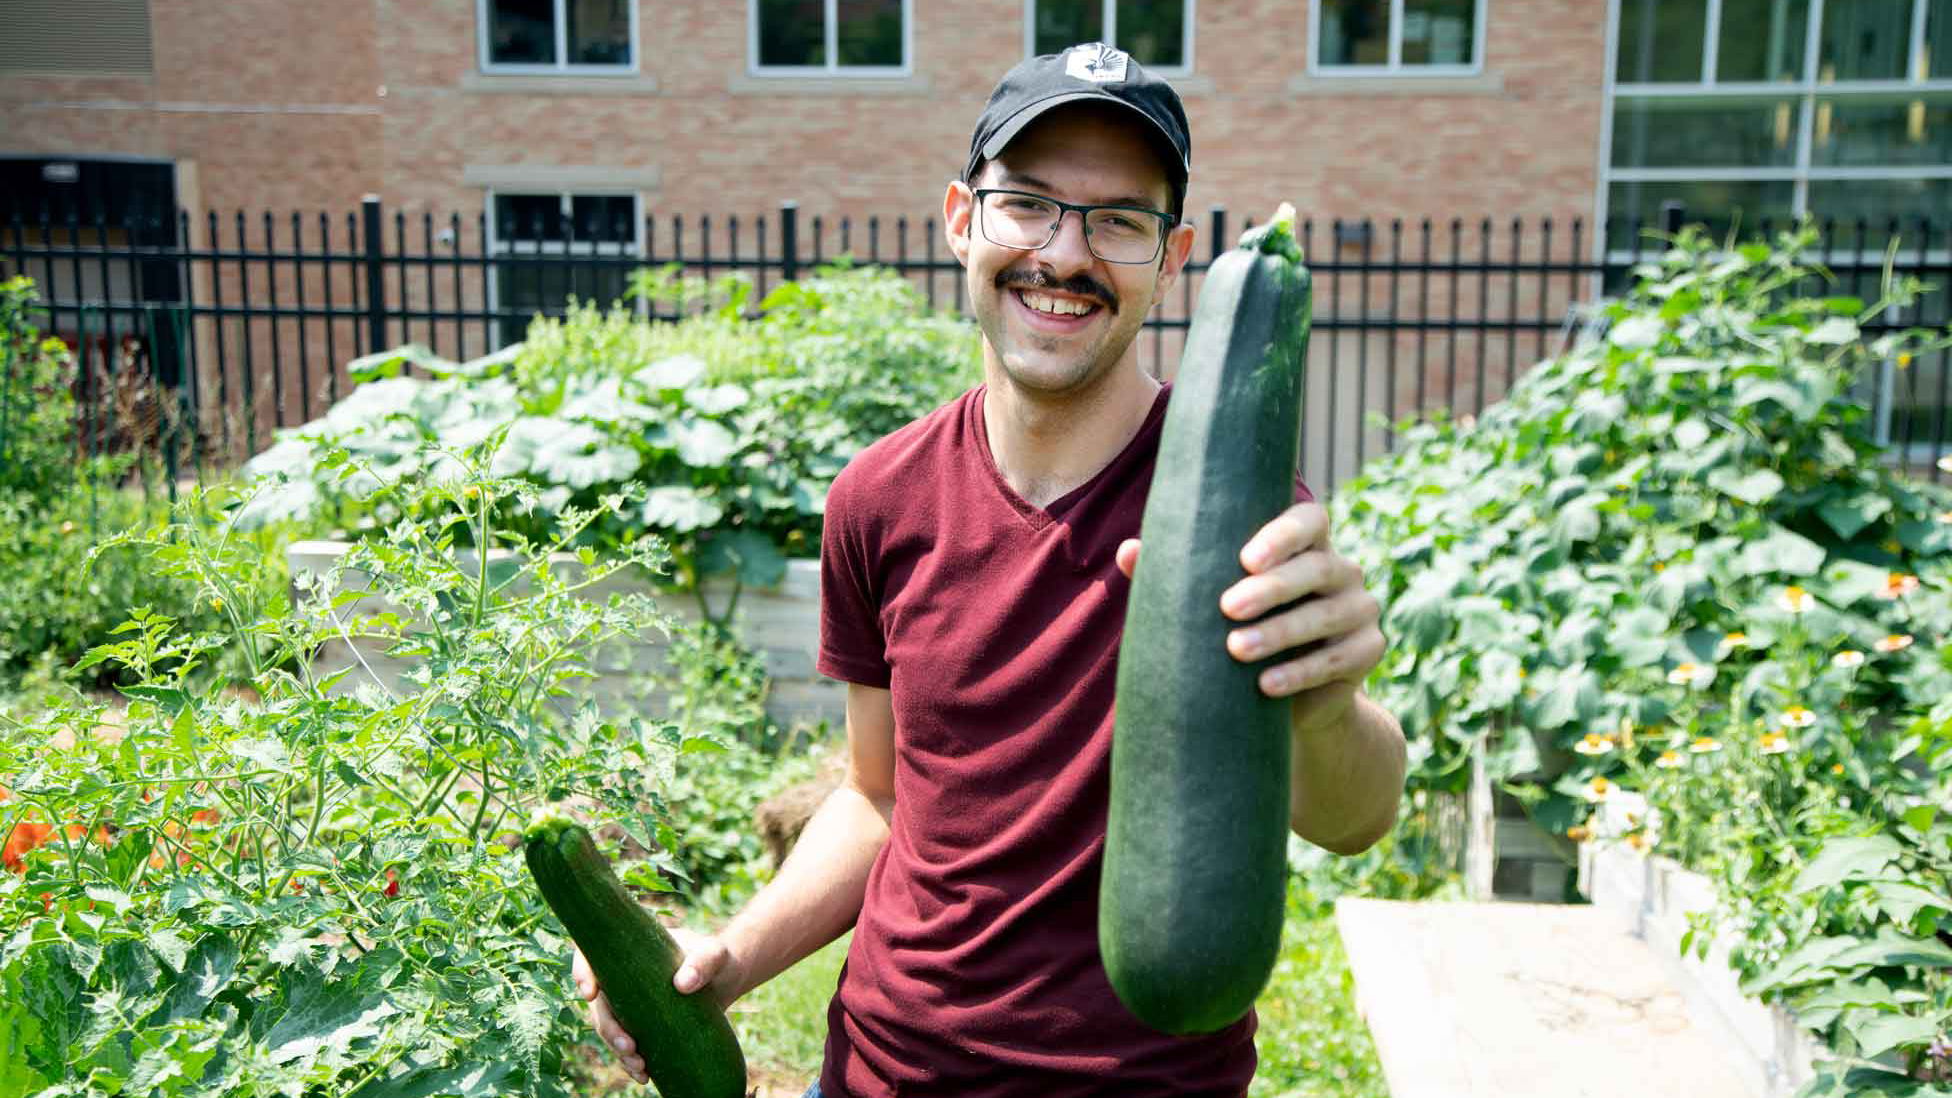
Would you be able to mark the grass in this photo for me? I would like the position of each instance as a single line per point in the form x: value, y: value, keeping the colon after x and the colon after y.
x: 1312, y: 1044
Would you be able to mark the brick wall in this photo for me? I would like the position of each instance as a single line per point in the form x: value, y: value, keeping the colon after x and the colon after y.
x: 309, y: 106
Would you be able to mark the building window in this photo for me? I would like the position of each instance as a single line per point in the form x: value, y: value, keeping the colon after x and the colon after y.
x: 1397, y: 36
x: 552, y: 247
x: 1753, y: 113
x: 830, y: 36
x: 1159, y: 33
x: 544, y: 36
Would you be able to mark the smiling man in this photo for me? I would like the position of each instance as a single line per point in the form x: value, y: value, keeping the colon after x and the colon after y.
x: 974, y: 572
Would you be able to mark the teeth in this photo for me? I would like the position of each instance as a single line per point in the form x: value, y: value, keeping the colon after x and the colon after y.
x: 1044, y: 303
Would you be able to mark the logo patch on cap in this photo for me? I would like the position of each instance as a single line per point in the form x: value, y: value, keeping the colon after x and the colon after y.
x: 1097, y: 62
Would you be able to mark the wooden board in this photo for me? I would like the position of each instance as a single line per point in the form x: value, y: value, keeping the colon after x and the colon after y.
x: 1510, y: 1000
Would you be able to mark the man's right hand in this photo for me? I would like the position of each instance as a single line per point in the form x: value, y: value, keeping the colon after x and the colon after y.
x: 706, y: 965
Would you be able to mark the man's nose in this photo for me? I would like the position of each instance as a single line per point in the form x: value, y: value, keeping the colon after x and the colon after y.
x: 1068, y: 249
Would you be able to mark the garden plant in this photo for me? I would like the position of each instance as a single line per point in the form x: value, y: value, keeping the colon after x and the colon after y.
x: 1676, y: 564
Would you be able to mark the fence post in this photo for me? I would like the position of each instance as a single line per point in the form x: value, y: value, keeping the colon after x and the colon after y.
x: 1219, y: 232
x: 1673, y: 213
x: 375, y: 276
x: 789, y: 241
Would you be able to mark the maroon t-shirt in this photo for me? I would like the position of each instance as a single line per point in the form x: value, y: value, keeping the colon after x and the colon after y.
x: 974, y: 969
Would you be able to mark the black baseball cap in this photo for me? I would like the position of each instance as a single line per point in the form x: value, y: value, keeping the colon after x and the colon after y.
x: 1091, y: 72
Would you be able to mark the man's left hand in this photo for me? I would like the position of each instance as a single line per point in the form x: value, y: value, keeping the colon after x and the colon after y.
x: 1305, y: 602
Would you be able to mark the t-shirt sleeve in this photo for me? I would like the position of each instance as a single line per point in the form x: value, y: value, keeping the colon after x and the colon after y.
x: 852, y: 648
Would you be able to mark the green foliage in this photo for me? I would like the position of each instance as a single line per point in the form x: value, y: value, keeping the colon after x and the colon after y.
x: 1674, y: 562
x: 295, y: 885
x: 38, y: 457
x: 1312, y: 1043
x: 733, y: 427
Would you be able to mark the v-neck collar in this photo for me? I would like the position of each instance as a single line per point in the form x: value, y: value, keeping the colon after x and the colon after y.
x: 1040, y: 517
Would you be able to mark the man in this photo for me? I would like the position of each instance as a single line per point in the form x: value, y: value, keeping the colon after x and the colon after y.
x: 974, y: 572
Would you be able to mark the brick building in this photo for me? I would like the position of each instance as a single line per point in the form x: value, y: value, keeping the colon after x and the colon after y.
x: 622, y: 112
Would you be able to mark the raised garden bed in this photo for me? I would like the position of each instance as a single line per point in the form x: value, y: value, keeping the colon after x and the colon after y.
x: 781, y: 623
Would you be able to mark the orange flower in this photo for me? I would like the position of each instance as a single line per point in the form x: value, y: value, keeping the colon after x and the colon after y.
x: 1579, y: 833
x: 27, y: 835
x: 1897, y: 585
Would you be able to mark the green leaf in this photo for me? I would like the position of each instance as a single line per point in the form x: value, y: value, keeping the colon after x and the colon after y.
x: 1834, y: 331
x: 704, y: 443
x: 681, y: 508
x: 1848, y: 514
x: 1892, y: 948
x: 472, y: 1080
x: 749, y: 553
x: 1902, y: 900
x: 1756, y: 487
x: 211, y: 967
x: 673, y: 374
x: 1881, y: 1032
x: 1847, y: 858
x: 716, y: 400
x: 1780, y: 552
x: 1920, y: 817
x: 1639, y: 636
x: 324, y: 1017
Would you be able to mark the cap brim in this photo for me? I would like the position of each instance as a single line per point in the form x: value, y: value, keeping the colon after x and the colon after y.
x: 1008, y: 132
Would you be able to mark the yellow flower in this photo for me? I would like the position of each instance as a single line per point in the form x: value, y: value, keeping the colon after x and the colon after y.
x: 1598, y: 790
x: 1669, y: 760
x: 1798, y: 717
x: 1640, y: 842
x: 1896, y: 642
x: 1579, y: 833
x: 1659, y: 567
x: 1836, y: 768
x: 1848, y: 658
x: 1691, y: 674
x: 1774, y: 743
x: 1904, y: 360
x: 1897, y: 585
x: 1795, y: 600
x: 216, y: 603
x: 1736, y: 640
x: 1704, y: 744
x: 1594, y: 743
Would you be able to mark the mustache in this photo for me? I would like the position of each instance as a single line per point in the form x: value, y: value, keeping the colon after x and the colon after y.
x: 1081, y: 284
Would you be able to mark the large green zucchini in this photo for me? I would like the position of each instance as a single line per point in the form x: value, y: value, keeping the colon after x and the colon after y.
x: 688, y: 1047
x: 1192, y: 897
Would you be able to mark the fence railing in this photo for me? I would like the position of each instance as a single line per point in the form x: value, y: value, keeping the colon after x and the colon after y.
x: 198, y: 341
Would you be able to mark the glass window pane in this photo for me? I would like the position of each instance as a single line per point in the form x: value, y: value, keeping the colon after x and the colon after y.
x: 522, y: 32
x: 1762, y: 40
x: 792, y: 32
x: 1439, y: 32
x: 869, y: 32
x: 1661, y: 41
x: 1937, y: 48
x: 607, y: 219
x: 1064, y: 23
x: 1354, y: 32
x: 1704, y: 133
x: 1864, y: 40
x: 1875, y: 203
x: 1154, y: 31
x: 599, y: 32
x: 1718, y: 204
x: 528, y: 217
x: 1883, y: 130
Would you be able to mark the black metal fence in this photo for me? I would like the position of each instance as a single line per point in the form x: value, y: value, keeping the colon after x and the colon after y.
x: 198, y: 341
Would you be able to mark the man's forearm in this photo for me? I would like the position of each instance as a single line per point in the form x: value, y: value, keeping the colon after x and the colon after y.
x: 1348, y: 781
x: 818, y: 892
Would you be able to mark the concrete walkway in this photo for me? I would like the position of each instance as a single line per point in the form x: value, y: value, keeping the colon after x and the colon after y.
x: 1514, y: 1000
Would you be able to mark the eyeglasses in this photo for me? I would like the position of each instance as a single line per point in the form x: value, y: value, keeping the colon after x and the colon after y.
x: 1115, y: 234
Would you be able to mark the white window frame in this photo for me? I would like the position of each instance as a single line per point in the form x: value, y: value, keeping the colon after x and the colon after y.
x: 1395, y: 67
x: 1806, y: 92
x: 1110, y: 21
x: 833, y: 67
x: 562, y: 66
x: 499, y: 249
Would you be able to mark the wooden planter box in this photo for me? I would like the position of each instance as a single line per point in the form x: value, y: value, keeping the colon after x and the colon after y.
x: 781, y: 623
x: 1653, y: 895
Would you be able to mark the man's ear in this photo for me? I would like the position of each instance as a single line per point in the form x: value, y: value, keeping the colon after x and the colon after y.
x: 958, y: 212
x: 1179, y: 248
